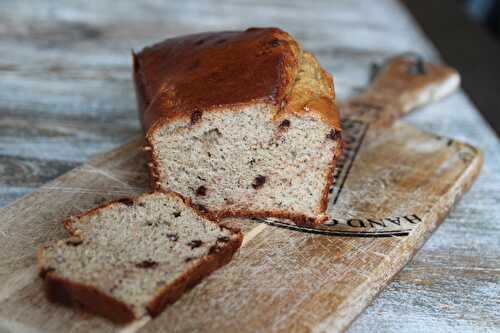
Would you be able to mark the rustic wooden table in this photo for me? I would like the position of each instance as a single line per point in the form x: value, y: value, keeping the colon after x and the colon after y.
x: 66, y: 94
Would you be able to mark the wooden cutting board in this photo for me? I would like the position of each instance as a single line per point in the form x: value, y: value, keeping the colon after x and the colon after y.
x: 394, y: 185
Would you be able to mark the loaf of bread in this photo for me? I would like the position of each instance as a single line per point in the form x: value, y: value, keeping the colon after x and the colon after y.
x: 242, y: 123
x: 130, y: 257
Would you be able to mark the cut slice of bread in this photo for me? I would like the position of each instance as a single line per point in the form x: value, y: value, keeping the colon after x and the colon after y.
x: 133, y: 257
x: 242, y: 123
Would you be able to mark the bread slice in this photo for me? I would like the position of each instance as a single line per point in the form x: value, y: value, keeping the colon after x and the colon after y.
x: 130, y: 257
x: 242, y: 123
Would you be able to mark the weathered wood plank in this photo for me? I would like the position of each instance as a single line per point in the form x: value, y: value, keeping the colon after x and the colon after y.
x: 30, y: 172
x: 463, y: 291
x: 69, y: 139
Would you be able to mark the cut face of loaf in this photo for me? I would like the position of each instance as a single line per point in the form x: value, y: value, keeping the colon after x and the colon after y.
x: 264, y: 146
x: 134, y: 257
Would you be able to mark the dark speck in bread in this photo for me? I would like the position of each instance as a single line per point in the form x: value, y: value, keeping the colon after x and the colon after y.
x: 147, y: 264
x: 195, y: 243
x: 201, y: 191
x: 258, y: 182
x: 195, y: 117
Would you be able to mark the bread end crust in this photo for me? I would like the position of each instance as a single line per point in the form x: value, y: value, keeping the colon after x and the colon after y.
x: 63, y: 291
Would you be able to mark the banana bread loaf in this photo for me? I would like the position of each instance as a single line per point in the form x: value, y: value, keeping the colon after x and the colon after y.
x: 243, y: 123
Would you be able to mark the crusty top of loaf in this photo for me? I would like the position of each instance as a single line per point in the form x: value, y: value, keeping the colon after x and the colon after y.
x: 188, y: 75
x: 312, y: 92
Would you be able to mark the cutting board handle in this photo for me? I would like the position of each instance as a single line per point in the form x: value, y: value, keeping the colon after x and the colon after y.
x: 402, y: 84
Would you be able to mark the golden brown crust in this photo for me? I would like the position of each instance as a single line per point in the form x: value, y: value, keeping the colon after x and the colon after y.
x: 311, y: 94
x: 188, y: 75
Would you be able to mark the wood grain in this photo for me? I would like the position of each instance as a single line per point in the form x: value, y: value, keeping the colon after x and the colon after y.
x: 299, y: 280
x: 65, y: 76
